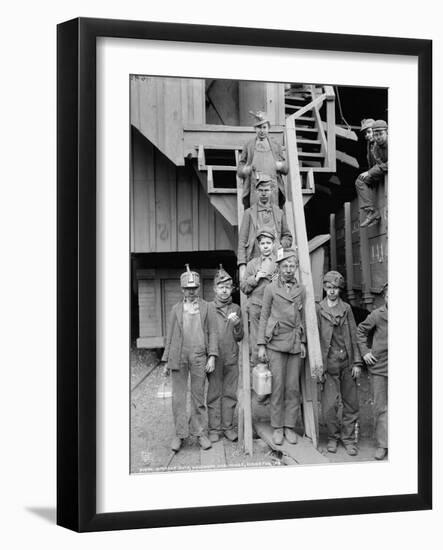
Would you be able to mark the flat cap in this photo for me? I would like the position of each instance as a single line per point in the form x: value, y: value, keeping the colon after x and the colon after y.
x: 263, y: 178
x: 366, y: 123
x: 266, y: 232
x: 285, y: 253
x: 335, y: 278
x: 380, y: 125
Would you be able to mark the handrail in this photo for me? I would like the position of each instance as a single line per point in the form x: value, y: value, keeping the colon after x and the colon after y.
x: 306, y: 108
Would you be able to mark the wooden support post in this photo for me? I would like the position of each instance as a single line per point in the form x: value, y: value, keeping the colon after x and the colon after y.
x: 333, y: 246
x: 330, y: 121
x: 349, y: 255
x: 245, y: 411
x: 294, y: 180
x: 367, y: 297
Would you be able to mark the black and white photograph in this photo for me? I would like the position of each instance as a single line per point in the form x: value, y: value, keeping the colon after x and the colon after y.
x: 259, y: 274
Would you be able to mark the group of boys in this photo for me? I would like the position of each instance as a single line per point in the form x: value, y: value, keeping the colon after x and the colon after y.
x: 202, y: 338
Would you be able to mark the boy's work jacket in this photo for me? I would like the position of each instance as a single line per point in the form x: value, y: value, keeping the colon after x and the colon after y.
x: 344, y: 318
x: 174, y: 337
x: 282, y: 325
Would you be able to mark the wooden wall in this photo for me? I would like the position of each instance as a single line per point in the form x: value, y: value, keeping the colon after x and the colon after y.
x: 171, y: 211
x: 160, y: 107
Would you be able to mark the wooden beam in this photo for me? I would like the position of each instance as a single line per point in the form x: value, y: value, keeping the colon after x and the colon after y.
x: 246, y: 412
x: 347, y: 159
x: 349, y: 255
x: 342, y: 132
x: 294, y: 180
x: 330, y: 120
x: 318, y: 101
x: 333, y: 248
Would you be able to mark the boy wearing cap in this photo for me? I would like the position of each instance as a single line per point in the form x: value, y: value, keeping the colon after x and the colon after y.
x: 281, y: 340
x: 341, y: 362
x: 223, y: 380
x: 375, y: 326
x: 190, y: 351
x: 262, y: 155
x: 367, y: 181
x: 258, y: 274
x: 366, y: 129
x: 260, y: 215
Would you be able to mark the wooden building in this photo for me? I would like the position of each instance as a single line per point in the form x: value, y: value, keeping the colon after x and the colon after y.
x: 186, y: 137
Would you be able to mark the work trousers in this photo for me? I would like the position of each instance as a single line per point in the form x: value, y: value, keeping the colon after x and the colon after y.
x: 285, y: 395
x: 192, y: 364
x: 339, y: 383
x: 366, y: 192
x: 254, y: 321
x: 379, y: 386
x: 222, y: 394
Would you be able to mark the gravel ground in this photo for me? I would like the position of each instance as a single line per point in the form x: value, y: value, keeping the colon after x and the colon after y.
x: 152, y: 428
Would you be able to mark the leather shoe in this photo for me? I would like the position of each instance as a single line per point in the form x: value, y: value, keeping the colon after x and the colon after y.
x: 231, y: 435
x: 176, y: 443
x: 277, y: 436
x: 214, y: 437
x: 204, y: 442
x: 291, y: 436
x: 351, y: 449
x: 332, y: 446
x: 380, y: 453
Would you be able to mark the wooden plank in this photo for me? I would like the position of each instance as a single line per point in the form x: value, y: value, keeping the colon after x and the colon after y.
x: 195, y: 218
x: 203, y: 213
x: 143, y: 196
x: 151, y: 342
x: 330, y: 120
x: 294, y: 180
x: 227, y: 206
x: 321, y: 132
x: 318, y: 101
x: 303, y: 452
x: 347, y: 159
x: 162, y: 202
x: 245, y: 417
x: 349, y: 254
x: 333, y: 249
x: 184, y: 211
x: 214, y: 457
x: 342, y: 132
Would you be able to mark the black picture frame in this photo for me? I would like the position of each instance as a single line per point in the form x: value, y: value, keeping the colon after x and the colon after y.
x: 76, y: 279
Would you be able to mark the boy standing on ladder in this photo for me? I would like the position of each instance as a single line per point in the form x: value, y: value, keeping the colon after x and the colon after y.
x: 190, y: 351
x: 258, y: 274
x: 342, y: 364
x: 223, y: 380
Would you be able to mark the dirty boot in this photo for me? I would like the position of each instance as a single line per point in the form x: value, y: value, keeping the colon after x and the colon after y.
x: 277, y: 436
x: 204, y: 442
x: 332, y: 446
x: 372, y: 218
x: 380, y: 453
x: 176, y: 443
x: 214, y: 437
x: 291, y: 436
x: 231, y: 435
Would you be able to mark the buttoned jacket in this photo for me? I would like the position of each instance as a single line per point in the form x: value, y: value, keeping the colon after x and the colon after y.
x: 174, y: 337
x: 249, y: 229
x: 254, y: 289
x: 282, y: 325
x: 228, y: 334
x: 326, y: 327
